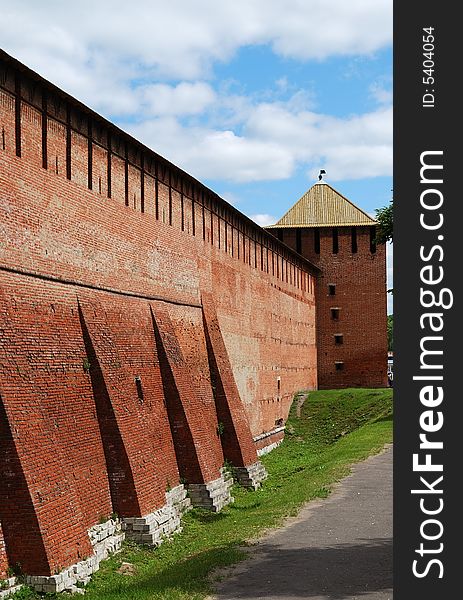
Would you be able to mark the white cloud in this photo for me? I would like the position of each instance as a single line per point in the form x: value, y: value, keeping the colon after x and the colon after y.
x: 180, y: 39
x: 138, y: 65
x: 357, y: 161
x: 380, y: 93
x: 183, y: 99
x: 319, y: 28
x: 275, y: 140
x: 263, y: 219
x: 211, y: 154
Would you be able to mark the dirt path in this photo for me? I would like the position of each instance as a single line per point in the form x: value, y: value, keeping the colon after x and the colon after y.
x: 335, y: 549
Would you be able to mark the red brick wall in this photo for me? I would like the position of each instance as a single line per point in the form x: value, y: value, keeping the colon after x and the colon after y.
x: 120, y: 347
x: 42, y: 425
x: 271, y: 439
x: 360, y: 294
x: 70, y: 232
x: 89, y: 280
x: 187, y: 392
x: 233, y: 425
x: 3, y: 556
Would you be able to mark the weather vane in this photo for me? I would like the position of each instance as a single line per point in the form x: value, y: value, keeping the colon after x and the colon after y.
x: 320, y: 176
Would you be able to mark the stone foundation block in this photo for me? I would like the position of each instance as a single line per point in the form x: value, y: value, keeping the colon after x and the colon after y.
x: 153, y: 528
x: 268, y: 441
x: 213, y: 495
x: 251, y: 476
x: 269, y: 448
x: 10, y: 587
x: 106, y: 539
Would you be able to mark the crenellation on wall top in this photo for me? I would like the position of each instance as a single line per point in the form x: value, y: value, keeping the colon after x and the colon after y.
x: 57, y: 105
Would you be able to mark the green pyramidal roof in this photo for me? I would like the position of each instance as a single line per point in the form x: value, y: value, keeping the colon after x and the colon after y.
x: 323, y: 206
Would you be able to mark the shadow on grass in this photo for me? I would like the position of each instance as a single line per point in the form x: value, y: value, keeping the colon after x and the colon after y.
x: 206, y: 516
x: 185, y: 579
x: 246, y: 507
x: 383, y: 419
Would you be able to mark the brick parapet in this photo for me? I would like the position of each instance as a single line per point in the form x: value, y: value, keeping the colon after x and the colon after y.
x: 56, y: 131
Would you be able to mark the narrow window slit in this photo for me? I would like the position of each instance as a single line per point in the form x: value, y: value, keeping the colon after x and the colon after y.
x: 373, y: 240
x: 335, y: 240
x: 334, y: 314
x: 139, y: 388
x: 316, y: 239
x: 354, y: 240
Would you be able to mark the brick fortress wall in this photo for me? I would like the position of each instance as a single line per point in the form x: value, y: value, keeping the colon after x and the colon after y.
x: 126, y: 285
x: 3, y: 557
x: 351, y: 303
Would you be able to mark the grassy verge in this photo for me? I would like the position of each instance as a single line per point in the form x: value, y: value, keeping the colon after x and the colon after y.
x: 334, y: 430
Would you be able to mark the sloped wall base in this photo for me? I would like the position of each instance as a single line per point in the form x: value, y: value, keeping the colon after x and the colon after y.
x: 251, y: 476
x: 106, y: 539
x: 153, y: 528
x: 213, y: 495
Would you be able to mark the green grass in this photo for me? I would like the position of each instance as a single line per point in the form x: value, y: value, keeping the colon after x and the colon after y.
x: 335, y: 430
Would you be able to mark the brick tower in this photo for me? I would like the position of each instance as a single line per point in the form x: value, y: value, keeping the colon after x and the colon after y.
x: 339, y: 238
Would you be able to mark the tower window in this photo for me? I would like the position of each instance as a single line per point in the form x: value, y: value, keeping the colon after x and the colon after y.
x: 339, y: 365
x: 331, y: 289
x: 338, y: 339
x: 335, y: 314
x: 139, y: 388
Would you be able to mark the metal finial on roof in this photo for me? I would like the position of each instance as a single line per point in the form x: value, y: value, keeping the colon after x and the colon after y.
x: 320, y: 176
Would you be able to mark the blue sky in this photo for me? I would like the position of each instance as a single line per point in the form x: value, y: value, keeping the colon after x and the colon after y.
x: 338, y: 86
x: 252, y: 97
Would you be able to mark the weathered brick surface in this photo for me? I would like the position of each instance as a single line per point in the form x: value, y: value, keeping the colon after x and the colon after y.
x: 7, y: 141
x: 105, y: 382
x: 31, y: 128
x: 270, y: 340
x: 3, y: 556
x: 189, y: 400
x: 235, y: 434
x: 38, y: 497
x: 42, y: 355
x: 127, y: 388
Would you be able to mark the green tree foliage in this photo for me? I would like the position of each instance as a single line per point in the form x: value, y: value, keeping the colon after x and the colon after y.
x: 384, y: 216
x: 390, y: 332
x: 384, y: 232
